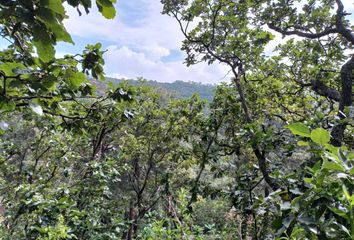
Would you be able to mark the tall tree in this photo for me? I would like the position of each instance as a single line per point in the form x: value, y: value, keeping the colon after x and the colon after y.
x: 236, y: 33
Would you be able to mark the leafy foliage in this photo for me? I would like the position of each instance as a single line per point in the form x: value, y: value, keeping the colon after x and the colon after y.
x: 269, y: 157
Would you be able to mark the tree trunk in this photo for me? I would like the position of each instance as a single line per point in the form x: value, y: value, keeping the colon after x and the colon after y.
x: 262, y: 162
x: 345, y: 101
x: 132, y: 218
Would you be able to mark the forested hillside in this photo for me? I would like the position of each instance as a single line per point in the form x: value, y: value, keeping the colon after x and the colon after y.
x: 179, y: 89
x: 269, y: 156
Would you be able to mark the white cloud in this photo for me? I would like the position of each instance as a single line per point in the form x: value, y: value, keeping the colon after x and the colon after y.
x: 126, y: 63
x: 154, y: 29
x: 140, y: 37
x: 138, y: 46
x: 156, y: 52
x: 119, y: 76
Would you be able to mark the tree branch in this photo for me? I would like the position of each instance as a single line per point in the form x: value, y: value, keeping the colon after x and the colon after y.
x: 345, y: 32
x: 302, y: 34
x: 322, y: 89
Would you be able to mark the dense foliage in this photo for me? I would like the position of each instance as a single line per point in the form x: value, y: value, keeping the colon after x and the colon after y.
x: 270, y: 157
x: 179, y: 89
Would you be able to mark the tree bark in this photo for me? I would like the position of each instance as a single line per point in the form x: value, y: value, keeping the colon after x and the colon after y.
x: 345, y: 101
x: 322, y: 89
x: 132, y: 225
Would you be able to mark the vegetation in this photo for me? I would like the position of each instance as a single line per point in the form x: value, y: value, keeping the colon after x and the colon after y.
x: 178, y: 88
x: 270, y: 157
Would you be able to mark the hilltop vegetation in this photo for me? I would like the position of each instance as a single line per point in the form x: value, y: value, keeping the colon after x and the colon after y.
x: 179, y: 89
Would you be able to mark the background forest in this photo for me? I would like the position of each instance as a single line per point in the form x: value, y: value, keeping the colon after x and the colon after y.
x: 270, y: 156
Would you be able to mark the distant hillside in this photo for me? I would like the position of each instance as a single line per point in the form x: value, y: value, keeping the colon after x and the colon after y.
x: 180, y: 88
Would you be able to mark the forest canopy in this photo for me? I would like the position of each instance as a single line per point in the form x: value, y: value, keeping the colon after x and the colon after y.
x: 271, y: 156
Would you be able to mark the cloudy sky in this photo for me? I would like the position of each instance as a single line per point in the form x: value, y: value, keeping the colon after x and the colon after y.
x: 141, y: 42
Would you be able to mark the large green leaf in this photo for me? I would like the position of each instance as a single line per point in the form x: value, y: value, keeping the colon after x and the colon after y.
x: 320, y: 136
x: 6, y: 105
x: 299, y: 129
x: 43, y: 43
x: 332, y: 166
x: 106, y: 7
x: 74, y: 79
x: 54, y: 5
x: 61, y: 34
x: 49, y: 19
x: 9, y: 68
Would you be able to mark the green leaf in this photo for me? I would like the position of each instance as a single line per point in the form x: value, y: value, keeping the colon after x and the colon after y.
x: 49, y: 83
x: 49, y: 19
x: 54, y: 5
x: 332, y: 166
x: 316, y: 167
x: 339, y: 212
x: 332, y: 156
x: 302, y: 143
x: 6, y: 105
x: 332, y: 148
x: 299, y: 129
x: 9, y: 68
x: 107, y: 9
x: 345, y: 230
x: 61, y: 34
x: 352, y: 200
x: 320, y: 136
x: 351, y: 156
x: 346, y: 193
x: 43, y: 43
x: 75, y: 79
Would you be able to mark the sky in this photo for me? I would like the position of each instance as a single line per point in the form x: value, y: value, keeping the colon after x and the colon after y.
x: 141, y: 42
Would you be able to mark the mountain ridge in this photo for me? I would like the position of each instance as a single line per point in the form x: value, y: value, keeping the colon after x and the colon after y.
x: 180, y: 88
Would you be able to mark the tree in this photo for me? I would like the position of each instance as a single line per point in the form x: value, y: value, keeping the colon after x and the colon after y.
x: 136, y: 163
x: 236, y: 33
x: 51, y: 103
x: 60, y: 173
x: 31, y: 76
x: 301, y: 77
